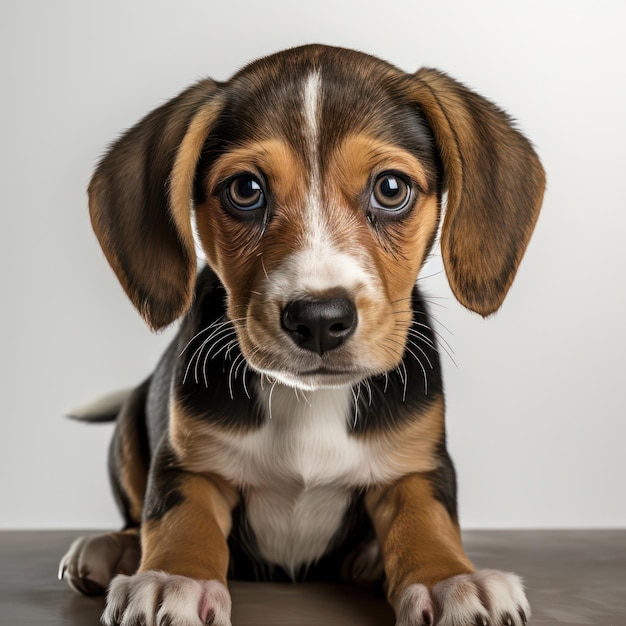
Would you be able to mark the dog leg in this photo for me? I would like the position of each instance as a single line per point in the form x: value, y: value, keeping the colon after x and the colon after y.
x: 430, y: 580
x: 182, y: 575
x: 91, y: 562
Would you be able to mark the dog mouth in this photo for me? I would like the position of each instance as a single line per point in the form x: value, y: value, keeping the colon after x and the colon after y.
x: 317, y: 378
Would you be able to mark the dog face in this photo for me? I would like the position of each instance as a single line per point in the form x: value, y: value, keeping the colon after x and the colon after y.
x: 315, y: 177
x: 318, y: 220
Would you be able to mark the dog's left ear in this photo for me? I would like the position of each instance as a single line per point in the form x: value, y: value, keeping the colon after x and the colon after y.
x: 495, y: 185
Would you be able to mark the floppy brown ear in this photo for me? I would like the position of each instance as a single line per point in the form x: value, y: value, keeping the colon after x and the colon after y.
x: 495, y: 185
x: 140, y: 200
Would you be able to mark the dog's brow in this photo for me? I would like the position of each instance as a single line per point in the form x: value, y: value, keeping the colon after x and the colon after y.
x: 272, y: 157
x: 360, y: 154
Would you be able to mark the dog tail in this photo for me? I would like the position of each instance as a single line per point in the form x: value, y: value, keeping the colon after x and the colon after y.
x: 104, y: 409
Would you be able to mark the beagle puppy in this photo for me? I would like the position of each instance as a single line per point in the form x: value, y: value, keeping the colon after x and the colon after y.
x: 294, y: 429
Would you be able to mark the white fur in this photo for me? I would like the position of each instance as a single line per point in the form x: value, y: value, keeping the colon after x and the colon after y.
x: 298, y: 471
x: 490, y: 596
x: 149, y: 597
x: 104, y: 405
x: 318, y: 269
x: 308, y: 273
x: 415, y: 607
x: 317, y: 231
x: 319, y: 258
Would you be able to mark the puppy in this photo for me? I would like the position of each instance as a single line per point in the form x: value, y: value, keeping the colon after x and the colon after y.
x: 294, y: 429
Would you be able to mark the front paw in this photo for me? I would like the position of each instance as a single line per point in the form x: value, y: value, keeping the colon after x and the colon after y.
x: 158, y: 599
x: 484, y: 598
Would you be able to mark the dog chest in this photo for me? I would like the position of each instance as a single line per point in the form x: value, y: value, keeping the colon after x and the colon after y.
x: 298, y: 472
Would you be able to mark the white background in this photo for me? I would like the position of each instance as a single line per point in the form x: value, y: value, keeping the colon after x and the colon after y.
x: 536, y: 413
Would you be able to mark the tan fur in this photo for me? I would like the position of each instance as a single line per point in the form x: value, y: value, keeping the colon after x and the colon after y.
x: 411, y: 448
x: 184, y: 169
x: 355, y: 161
x: 360, y: 154
x: 489, y: 220
x: 319, y: 238
x: 127, y: 448
x: 158, y: 278
x: 420, y: 542
x: 237, y: 266
x: 133, y: 472
x: 200, y: 551
x: 243, y: 269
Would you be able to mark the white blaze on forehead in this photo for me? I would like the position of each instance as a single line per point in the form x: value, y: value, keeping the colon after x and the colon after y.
x: 312, y: 90
x: 317, y: 230
x: 318, y: 265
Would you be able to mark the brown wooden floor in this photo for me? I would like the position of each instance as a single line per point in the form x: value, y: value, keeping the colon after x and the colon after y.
x: 572, y: 577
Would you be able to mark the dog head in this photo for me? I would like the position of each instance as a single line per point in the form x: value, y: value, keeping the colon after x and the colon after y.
x: 314, y: 178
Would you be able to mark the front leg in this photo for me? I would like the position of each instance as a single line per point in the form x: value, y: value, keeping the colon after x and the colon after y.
x: 182, y: 576
x: 430, y: 579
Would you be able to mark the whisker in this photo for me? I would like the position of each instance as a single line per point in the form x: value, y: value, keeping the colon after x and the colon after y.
x: 242, y: 359
x: 406, y: 380
x: 269, y: 398
x: 244, y: 379
x: 215, y: 324
x: 422, y: 368
x: 422, y: 337
x: 219, y: 333
x: 232, y: 374
x: 233, y: 345
x: 412, y: 343
x: 206, y: 343
x: 447, y: 348
x: 224, y: 337
x: 430, y: 275
x: 196, y: 352
x: 355, y: 396
x: 229, y: 345
x: 204, y: 330
x: 436, y: 320
x: 369, y: 391
x: 429, y: 301
x: 401, y: 300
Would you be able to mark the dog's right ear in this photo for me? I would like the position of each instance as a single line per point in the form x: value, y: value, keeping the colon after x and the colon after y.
x: 140, y: 203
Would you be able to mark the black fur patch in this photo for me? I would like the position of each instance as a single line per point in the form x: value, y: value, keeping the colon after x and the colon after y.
x: 133, y: 410
x: 357, y: 93
x: 163, y: 491
x: 386, y: 401
x: 208, y: 384
x: 443, y: 481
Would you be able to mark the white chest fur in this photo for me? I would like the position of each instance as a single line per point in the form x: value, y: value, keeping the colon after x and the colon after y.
x: 297, y: 472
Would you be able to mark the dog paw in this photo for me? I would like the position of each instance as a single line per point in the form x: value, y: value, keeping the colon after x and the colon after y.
x: 484, y: 598
x: 159, y: 599
x: 91, y: 562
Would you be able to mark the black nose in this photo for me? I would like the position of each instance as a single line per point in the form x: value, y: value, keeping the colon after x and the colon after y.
x: 320, y: 325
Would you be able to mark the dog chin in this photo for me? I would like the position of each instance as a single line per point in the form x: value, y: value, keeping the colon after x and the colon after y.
x: 312, y: 381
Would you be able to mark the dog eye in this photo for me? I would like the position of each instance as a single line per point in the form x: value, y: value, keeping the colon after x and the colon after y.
x: 245, y: 193
x: 390, y: 193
